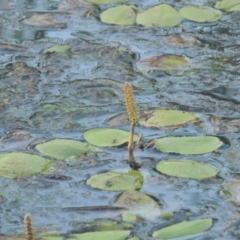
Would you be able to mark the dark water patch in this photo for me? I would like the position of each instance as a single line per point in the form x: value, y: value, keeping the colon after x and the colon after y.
x: 224, y: 93
x: 20, y: 35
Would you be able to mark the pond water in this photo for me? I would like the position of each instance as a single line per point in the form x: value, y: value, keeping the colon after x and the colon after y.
x: 46, y: 96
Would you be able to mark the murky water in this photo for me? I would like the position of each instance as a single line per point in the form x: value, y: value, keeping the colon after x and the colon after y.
x: 61, y: 95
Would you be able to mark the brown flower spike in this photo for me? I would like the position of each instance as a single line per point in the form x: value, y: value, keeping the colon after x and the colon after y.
x: 133, y: 115
x: 28, y: 227
x: 130, y: 103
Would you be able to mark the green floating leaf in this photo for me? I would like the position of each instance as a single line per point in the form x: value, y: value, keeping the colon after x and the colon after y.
x: 57, y: 49
x: 107, y: 1
x: 230, y: 191
x: 200, y: 13
x: 129, y: 217
x: 65, y: 148
x: 184, y: 229
x: 228, y: 5
x: 160, y: 118
x: 122, y: 15
x: 162, y: 15
x: 117, y: 181
x: 20, y: 165
x: 116, y: 235
x: 234, y: 8
x: 164, y: 62
x: 138, y: 203
x: 188, y: 145
x: 52, y: 238
x: 107, y: 137
x: 187, y: 169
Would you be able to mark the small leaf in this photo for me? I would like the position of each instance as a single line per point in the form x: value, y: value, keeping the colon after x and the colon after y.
x: 58, y: 49
x: 160, y: 118
x: 65, y: 148
x: 121, y: 15
x: 18, y: 164
x: 107, y: 1
x: 187, y: 169
x: 52, y: 238
x: 188, y: 145
x: 162, y: 15
x: 164, y: 62
x: 200, y: 13
x: 230, y: 191
x: 227, y: 4
x: 138, y: 203
x: 184, y: 229
x: 117, y: 181
x: 116, y: 235
x: 107, y: 137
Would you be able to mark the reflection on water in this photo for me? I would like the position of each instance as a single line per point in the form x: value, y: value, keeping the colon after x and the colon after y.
x: 20, y: 35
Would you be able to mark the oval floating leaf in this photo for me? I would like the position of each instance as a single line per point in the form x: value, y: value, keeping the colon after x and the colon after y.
x: 121, y: 15
x: 187, y: 169
x: 181, y: 41
x: 65, y: 148
x: 183, y: 229
x: 138, y: 203
x: 234, y: 8
x: 162, y: 15
x: 19, y: 165
x: 117, y: 181
x: 200, y: 13
x: 160, y: 118
x: 107, y: 137
x: 164, y: 62
x: 188, y: 145
x: 227, y: 5
x: 107, y: 1
x: 116, y: 235
x: 57, y: 49
x: 230, y: 191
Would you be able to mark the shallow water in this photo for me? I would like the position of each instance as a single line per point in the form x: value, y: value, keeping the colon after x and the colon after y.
x: 60, y: 95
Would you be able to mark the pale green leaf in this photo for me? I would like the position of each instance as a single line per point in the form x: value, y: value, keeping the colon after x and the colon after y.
x: 116, y: 235
x: 65, y: 148
x: 183, y: 229
x: 57, y: 49
x: 188, y: 145
x: 121, y: 15
x: 138, y: 203
x: 161, y: 118
x: 20, y: 165
x: 107, y: 137
x: 187, y: 169
x: 162, y: 15
x: 52, y: 238
x: 117, y: 181
x: 226, y: 4
x: 107, y: 1
x: 234, y: 8
x: 200, y: 13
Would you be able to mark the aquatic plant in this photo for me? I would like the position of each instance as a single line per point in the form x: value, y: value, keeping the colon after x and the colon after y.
x: 133, y: 115
x: 28, y: 227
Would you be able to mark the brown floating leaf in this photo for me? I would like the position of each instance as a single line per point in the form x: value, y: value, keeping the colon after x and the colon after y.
x: 164, y: 62
x: 43, y: 20
x: 139, y: 204
x: 180, y: 41
x: 73, y: 4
